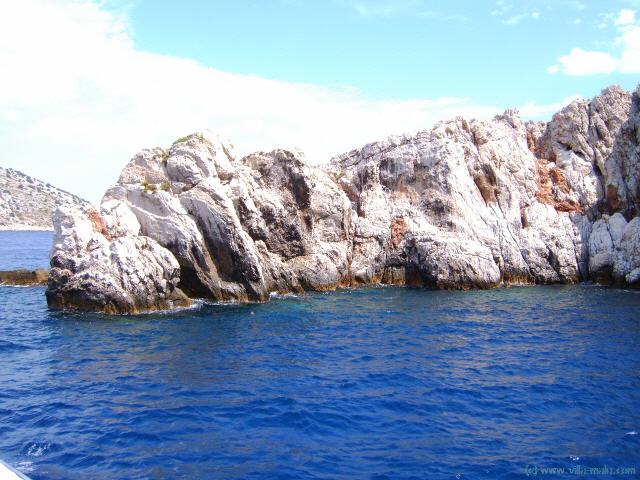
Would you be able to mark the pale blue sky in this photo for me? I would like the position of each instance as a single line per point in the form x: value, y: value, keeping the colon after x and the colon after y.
x: 491, y: 51
x: 86, y: 84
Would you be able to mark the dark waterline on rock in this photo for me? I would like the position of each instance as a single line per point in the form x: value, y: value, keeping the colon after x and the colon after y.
x: 373, y: 383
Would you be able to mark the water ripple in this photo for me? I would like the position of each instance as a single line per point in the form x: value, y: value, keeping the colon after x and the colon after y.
x: 375, y: 383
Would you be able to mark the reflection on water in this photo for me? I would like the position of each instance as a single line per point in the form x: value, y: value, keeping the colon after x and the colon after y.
x: 369, y: 383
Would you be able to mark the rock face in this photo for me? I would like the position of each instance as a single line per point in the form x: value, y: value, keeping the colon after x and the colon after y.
x: 467, y: 204
x: 26, y: 203
x: 108, y: 266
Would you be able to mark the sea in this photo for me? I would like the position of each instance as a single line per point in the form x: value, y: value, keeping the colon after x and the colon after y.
x: 372, y: 383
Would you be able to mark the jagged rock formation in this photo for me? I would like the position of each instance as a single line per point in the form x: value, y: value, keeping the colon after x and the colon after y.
x: 26, y: 203
x: 467, y: 204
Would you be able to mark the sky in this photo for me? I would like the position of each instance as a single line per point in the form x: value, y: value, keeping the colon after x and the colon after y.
x: 84, y: 85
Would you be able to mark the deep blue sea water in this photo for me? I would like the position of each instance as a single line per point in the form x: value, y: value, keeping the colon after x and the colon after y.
x: 374, y: 383
x: 25, y: 250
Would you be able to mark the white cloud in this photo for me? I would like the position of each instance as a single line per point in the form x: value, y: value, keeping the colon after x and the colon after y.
x: 536, y: 110
x: 581, y: 62
x: 500, y: 8
x: 578, y: 5
x: 625, y: 17
x: 367, y: 9
x: 77, y: 100
x: 434, y: 15
x: 514, y: 19
x: 385, y: 8
x: 504, y: 11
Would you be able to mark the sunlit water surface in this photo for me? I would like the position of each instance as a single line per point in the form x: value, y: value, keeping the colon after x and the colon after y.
x: 373, y: 383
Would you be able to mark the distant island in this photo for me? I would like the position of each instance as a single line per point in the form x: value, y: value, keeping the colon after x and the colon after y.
x: 465, y: 204
x: 27, y: 203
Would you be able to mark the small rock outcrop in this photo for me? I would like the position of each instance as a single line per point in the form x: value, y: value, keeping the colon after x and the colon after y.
x: 26, y: 203
x: 466, y: 204
x: 23, y: 277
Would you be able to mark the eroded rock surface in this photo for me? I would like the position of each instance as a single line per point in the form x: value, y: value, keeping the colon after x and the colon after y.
x: 466, y: 204
x: 101, y: 263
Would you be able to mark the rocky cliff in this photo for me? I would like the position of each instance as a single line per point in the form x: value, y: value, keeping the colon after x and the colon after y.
x: 466, y: 204
x: 26, y: 203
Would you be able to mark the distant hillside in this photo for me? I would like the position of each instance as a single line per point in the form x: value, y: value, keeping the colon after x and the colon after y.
x: 26, y: 203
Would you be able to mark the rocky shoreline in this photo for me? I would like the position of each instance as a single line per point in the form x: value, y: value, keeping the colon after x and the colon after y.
x: 466, y: 204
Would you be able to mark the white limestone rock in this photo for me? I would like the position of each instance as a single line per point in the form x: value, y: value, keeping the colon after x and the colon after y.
x: 91, y: 270
x: 626, y: 270
x: 466, y: 204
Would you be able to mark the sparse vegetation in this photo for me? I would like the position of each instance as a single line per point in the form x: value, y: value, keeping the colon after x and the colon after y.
x: 148, y: 187
x: 165, y: 187
x: 164, y: 156
x: 197, y: 135
x: 182, y: 139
